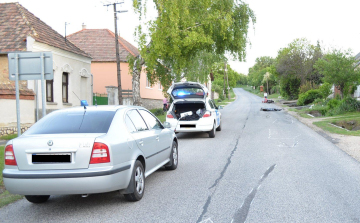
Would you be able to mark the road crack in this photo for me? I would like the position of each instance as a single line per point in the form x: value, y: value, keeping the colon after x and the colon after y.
x: 242, y: 213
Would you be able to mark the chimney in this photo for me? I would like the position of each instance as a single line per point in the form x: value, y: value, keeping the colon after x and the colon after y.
x: 83, y: 26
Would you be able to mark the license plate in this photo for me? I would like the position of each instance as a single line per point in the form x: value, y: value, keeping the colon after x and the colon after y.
x: 51, y: 158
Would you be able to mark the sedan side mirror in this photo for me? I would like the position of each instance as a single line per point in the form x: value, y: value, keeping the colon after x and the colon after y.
x: 167, y: 125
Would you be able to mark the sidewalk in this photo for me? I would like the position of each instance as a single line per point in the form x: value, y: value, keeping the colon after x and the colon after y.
x: 3, y: 142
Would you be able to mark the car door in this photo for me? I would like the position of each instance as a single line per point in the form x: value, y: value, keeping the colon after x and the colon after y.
x: 163, y: 136
x: 145, y: 138
x: 215, y: 112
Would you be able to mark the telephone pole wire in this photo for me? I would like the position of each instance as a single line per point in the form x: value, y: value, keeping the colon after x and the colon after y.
x: 120, y: 98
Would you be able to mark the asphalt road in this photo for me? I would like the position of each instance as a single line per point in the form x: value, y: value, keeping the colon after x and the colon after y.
x: 262, y: 167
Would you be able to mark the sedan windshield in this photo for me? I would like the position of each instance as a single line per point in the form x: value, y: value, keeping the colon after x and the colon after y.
x: 73, y: 122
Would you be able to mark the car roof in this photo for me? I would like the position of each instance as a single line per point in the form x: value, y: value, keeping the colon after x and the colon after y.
x: 99, y: 108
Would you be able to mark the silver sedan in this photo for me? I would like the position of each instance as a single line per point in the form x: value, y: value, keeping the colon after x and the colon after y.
x: 86, y: 150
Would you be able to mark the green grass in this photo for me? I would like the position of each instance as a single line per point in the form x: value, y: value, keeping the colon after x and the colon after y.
x: 332, y: 129
x: 5, y: 197
x: 162, y: 118
x: 8, y: 137
x: 226, y: 101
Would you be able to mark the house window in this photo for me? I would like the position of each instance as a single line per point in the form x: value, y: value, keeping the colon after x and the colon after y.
x: 65, y: 87
x: 50, y: 90
x: 148, y: 84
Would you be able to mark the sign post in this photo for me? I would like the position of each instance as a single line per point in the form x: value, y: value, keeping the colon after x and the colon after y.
x: 30, y: 66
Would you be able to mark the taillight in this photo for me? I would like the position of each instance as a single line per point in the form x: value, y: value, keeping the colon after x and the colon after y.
x: 100, y: 153
x: 169, y: 116
x: 207, y: 114
x: 10, y: 156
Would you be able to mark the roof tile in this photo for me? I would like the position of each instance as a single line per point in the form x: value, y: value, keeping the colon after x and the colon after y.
x: 16, y: 23
x: 100, y: 44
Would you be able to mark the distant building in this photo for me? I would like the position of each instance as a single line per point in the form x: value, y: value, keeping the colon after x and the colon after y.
x: 20, y: 30
x: 100, y: 44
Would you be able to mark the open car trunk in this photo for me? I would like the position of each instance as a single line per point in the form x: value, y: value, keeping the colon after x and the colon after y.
x: 197, y: 107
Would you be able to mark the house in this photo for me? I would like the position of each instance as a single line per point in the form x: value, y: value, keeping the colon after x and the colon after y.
x: 100, y: 44
x: 20, y: 30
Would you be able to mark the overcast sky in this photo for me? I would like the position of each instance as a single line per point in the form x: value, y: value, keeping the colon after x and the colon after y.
x: 279, y: 22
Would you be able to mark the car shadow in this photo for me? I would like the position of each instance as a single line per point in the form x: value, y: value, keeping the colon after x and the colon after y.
x: 192, y: 135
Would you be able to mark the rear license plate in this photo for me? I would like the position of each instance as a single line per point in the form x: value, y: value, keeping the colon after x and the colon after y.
x: 51, y: 158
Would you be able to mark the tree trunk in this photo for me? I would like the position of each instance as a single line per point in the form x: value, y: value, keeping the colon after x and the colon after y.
x: 136, y: 83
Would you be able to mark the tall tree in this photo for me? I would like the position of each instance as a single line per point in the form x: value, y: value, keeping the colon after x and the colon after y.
x: 338, y: 68
x: 184, y: 29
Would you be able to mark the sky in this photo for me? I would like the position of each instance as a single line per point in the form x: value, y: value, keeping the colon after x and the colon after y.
x: 278, y: 22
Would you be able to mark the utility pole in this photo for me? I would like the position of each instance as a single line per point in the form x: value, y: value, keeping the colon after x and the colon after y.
x: 224, y: 77
x: 227, y: 80
x: 120, y: 98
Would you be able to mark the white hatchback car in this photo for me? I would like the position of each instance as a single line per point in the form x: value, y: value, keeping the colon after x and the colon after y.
x: 191, y: 97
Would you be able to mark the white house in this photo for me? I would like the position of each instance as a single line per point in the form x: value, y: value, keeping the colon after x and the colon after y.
x: 20, y: 30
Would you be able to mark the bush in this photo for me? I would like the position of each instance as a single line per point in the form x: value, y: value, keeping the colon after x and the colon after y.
x: 325, y: 90
x: 322, y: 109
x: 157, y: 111
x: 348, y: 104
x: 309, y: 97
x: 307, y: 87
x: 333, y: 103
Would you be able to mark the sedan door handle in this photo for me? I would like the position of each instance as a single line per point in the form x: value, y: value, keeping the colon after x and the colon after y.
x: 157, y: 138
x: 141, y: 143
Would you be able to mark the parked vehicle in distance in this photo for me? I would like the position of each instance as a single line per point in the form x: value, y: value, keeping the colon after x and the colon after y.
x: 192, y: 96
x: 86, y: 150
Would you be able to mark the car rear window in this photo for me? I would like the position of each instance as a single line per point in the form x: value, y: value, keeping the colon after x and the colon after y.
x: 190, y: 92
x: 73, y: 122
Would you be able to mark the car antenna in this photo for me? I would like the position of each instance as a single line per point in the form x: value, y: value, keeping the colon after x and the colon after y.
x: 82, y: 102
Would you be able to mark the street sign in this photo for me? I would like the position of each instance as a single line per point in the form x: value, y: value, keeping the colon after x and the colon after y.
x: 29, y: 65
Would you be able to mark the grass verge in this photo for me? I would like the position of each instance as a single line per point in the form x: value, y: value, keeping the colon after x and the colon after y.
x: 226, y: 101
x: 325, y: 125
x: 8, y: 137
x: 5, y: 197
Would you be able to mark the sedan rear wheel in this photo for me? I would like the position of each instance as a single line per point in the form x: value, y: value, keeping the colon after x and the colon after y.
x: 172, y: 165
x: 37, y: 198
x: 212, y: 132
x: 139, y: 183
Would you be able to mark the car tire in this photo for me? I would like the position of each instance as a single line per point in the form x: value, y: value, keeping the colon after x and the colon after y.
x: 212, y: 132
x: 138, y: 176
x: 172, y: 165
x: 219, y: 127
x: 37, y: 199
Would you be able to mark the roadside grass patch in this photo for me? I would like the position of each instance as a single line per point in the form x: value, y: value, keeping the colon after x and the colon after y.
x: 5, y: 196
x: 226, y: 101
x: 8, y: 137
x: 351, y: 125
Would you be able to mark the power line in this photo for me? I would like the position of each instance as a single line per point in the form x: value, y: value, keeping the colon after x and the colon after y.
x: 120, y: 98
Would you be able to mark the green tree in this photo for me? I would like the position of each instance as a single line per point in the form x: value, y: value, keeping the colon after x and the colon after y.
x: 183, y: 30
x: 338, y: 68
x: 296, y: 63
x: 257, y: 72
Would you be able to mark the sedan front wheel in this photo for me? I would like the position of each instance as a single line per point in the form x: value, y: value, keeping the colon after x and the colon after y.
x: 172, y: 165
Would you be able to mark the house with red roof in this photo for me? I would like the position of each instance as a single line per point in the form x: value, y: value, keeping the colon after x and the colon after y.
x: 22, y: 31
x: 100, y: 44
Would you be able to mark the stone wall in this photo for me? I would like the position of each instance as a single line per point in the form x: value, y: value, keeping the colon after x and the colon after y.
x: 146, y: 102
x: 13, y: 129
x: 151, y: 103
